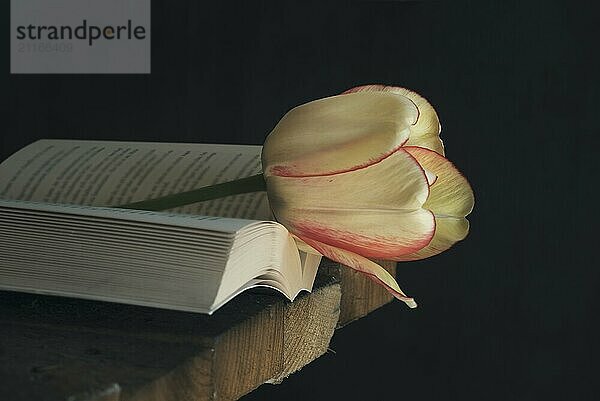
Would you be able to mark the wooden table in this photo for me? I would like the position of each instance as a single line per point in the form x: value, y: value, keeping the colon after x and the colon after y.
x: 54, y: 348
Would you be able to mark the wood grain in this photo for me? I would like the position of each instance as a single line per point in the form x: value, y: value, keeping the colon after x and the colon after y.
x: 54, y: 348
x: 360, y: 295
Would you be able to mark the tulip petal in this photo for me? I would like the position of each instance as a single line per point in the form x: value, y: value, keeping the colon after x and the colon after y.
x: 304, y: 247
x: 426, y: 131
x: 451, y: 194
x: 338, y: 134
x: 375, y: 211
x: 396, y: 182
x: 448, y: 231
x: 364, y: 265
x: 381, y: 234
x: 431, y: 178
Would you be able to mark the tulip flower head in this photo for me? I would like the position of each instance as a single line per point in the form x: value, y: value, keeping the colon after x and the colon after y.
x: 357, y: 177
x: 362, y: 176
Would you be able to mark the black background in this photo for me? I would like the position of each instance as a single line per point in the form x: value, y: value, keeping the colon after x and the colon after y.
x: 509, y: 313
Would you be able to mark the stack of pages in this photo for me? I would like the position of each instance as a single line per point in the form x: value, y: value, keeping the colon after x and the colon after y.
x: 61, y: 234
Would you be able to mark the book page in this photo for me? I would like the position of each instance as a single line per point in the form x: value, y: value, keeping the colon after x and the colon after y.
x: 200, y: 222
x: 112, y: 173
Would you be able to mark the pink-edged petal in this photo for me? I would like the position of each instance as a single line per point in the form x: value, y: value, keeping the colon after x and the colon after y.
x: 378, y: 234
x: 431, y: 178
x: 304, y: 247
x: 375, y: 211
x: 364, y: 265
x: 396, y: 182
x: 431, y: 142
x: 426, y: 131
x: 338, y: 134
x: 451, y: 194
x: 448, y: 231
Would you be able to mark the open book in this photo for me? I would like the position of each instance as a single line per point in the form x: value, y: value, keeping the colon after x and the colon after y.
x: 61, y: 234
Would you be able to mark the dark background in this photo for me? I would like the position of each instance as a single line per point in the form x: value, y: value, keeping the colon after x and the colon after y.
x: 509, y: 313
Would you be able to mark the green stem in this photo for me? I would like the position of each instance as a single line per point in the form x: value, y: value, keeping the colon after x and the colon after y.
x: 254, y: 183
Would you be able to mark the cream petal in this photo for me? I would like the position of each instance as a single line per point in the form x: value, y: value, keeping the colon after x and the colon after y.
x: 451, y: 194
x: 426, y: 131
x: 396, y: 182
x: 375, y: 211
x: 364, y: 265
x: 337, y: 134
x: 432, y: 142
x: 431, y: 178
x: 381, y: 234
x: 448, y: 231
x: 304, y: 247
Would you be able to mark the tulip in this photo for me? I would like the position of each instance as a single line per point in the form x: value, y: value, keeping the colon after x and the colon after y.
x: 357, y: 177
x: 362, y: 176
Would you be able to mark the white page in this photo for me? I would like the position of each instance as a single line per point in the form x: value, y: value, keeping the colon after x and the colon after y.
x: 111, y: 173
x: 209, y: 223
